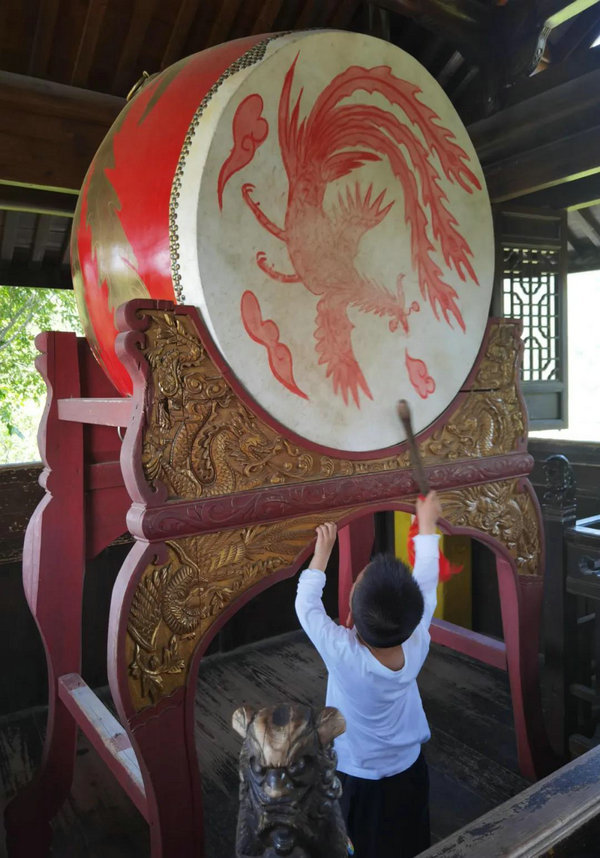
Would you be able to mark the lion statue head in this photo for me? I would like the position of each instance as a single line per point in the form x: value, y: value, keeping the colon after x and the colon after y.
x: 288, y: 785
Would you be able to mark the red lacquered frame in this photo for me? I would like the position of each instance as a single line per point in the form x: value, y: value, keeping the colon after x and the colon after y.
x: 96, y: 487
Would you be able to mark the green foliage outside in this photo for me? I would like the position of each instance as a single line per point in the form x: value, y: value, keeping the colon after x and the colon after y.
x: 23, y: 314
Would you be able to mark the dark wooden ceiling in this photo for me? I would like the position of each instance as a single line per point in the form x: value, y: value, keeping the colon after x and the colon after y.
x: 66, y: 67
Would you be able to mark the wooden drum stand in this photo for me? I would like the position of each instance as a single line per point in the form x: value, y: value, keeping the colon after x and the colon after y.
x: 220, y: 507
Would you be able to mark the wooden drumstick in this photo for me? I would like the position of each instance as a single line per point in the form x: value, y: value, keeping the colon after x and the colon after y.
x: 404, y: 415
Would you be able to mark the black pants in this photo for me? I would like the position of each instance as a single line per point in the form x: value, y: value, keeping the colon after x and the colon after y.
x: 388, y: 818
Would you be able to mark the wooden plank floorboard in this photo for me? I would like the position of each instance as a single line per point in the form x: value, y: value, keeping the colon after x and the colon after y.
x: 467, y: 778
x: 472, y: 756
x: 98, y: 820
x: 258, y: 675
x: 472, y: 703
x: 20, y: 753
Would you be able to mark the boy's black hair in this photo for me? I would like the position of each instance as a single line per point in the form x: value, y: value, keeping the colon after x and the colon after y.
x: 387, y: 603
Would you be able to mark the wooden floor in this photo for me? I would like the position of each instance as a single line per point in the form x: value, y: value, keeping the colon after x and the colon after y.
x: 471, y: 754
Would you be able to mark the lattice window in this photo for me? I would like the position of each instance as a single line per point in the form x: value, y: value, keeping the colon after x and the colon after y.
x: 530, y: 293
x: 530, y: 286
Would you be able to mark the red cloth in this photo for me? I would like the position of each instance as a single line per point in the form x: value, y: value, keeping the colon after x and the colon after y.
x: 447, y: 569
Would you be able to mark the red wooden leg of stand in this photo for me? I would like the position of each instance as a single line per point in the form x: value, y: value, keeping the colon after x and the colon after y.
x: 163, y: 737
x: 521, y: 601
x: 162, y: 734
x: 355, y: 542
x: 53, y: 570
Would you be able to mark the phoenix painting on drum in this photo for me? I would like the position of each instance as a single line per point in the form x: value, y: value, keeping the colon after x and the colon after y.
x: 329, y: 143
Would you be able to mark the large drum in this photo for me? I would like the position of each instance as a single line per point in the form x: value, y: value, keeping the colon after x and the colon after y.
x: 317, y: 198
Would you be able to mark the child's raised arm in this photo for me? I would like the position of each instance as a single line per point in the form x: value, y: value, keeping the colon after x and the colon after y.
x: 325, y: 634
x: 429, y: 510
x: 326, y: 536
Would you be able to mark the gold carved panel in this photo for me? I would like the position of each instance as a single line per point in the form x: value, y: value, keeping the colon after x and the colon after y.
x: 505, y: 512
x: 202, y: 441
x: 178, y: 599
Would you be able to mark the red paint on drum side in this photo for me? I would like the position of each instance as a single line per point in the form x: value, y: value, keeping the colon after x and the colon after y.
x: 146, y: 148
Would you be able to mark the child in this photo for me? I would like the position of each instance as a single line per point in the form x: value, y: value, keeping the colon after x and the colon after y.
x: 373, y: 669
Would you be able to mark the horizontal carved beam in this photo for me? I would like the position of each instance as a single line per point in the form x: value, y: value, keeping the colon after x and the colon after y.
x: 177, y: 519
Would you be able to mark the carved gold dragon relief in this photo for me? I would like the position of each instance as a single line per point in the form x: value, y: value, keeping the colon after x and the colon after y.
x: 500, y: 366
x: 201, y: 441
x: 489, y: 422
x: 503, y: 511
x: 177, y: 600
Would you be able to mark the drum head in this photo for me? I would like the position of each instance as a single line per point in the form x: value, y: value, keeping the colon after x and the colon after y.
x: 333, y: 227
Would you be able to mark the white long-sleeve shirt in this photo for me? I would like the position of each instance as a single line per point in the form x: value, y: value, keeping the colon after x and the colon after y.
x: 385, y: 721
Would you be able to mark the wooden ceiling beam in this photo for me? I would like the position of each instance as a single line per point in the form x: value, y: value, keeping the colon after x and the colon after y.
x: 580, y: 35
x: 344, y: 13
x: 561, y: 161
x: 40, y: 239
x: 578, y: 194
x: 23, y: 199
x: 43, y: 38
x: 65, y: 250
x: 265, y: 19
x: 561, y: 110
x: 456, y: 91
x: 49, y: 275
x: 463, y: 23
x: 576, y: 243
x: 450, y: 69
x: 589, y: 261
x: 228, y: 10
x: 378, y: 23
x: 470, y: 15
x: 87, y: 44
x: 49, y: 132
x: 128, y: 68
x: 181, y: 28
x: 305, y: 16
x: 588, y: 224
x: 552, y: 76
x: 9, y: 238
x: 556, y: 12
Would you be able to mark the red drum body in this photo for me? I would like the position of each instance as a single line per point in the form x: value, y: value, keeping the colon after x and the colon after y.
x: 317, y: 198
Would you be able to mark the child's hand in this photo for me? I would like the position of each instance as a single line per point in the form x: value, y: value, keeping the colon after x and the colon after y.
x: 326, y: 536
x: 429, y: 510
